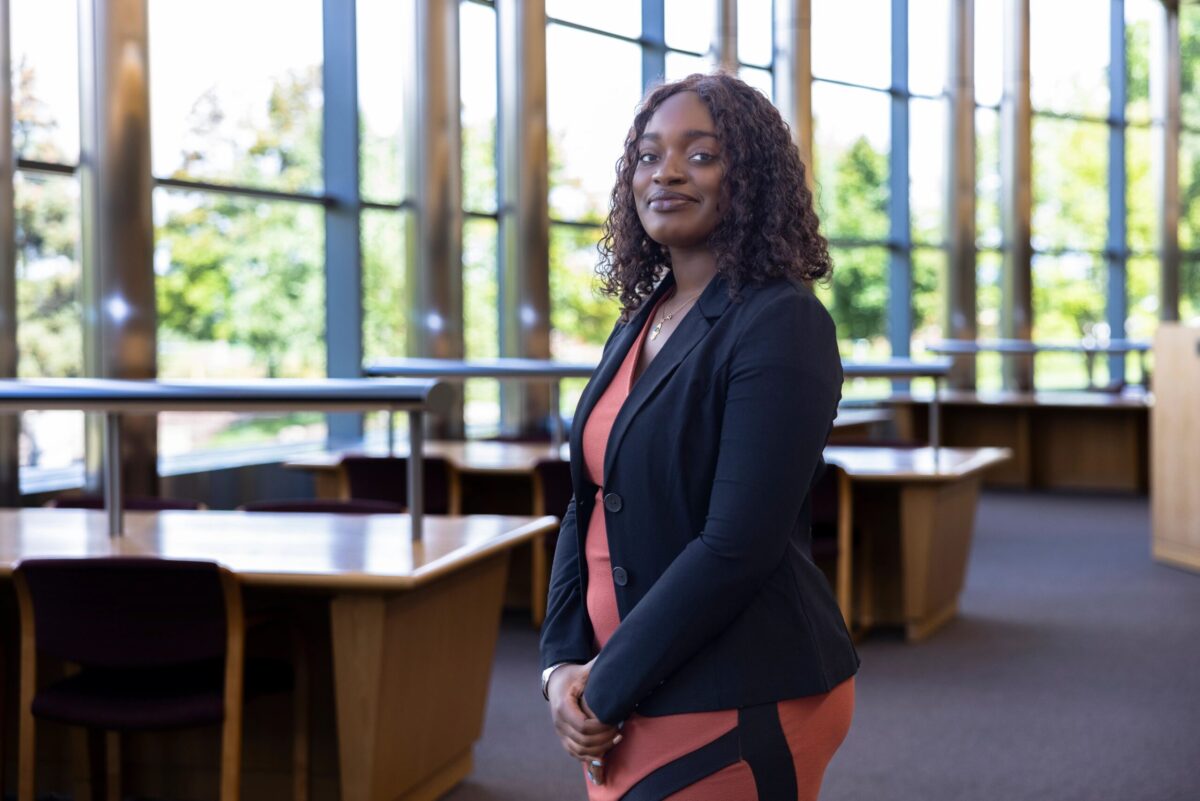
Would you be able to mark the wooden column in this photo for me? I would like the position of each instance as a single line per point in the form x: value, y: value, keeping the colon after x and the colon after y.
x: 1016, y: 202
x: 120, y: 317
x: 961, y: 310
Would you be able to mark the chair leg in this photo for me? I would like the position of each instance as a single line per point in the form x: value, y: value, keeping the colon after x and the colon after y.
x: 28, y: 727
x: 104, y: 764
x: 301, y: 703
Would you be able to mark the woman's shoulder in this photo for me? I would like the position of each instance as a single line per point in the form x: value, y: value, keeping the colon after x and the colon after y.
x: 780, y: 294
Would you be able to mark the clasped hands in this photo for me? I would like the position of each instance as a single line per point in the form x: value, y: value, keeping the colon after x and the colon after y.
x: 581, y: 732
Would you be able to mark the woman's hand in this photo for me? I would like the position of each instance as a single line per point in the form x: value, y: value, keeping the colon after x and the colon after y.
x: 582, y: 735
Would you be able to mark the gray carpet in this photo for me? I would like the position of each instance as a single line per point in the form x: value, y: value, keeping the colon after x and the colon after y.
x: 1072, y: 673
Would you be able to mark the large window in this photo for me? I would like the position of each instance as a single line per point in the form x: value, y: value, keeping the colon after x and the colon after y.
x: 46, y: 194
x: 238, y: 275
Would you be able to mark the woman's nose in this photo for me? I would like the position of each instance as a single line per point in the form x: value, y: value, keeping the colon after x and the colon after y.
x: 668, y: 172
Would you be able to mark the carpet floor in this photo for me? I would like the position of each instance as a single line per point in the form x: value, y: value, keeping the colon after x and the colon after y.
x: 1071, y: 674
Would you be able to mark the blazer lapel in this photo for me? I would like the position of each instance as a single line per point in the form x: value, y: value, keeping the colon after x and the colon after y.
x: 695, y: 325
x: 606, y: 370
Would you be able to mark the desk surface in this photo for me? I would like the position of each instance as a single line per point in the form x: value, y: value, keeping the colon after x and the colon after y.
x: 875, y: 463
x: 318, y: 551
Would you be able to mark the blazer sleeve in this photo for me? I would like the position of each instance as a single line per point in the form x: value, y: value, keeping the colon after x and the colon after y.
x: 566, y: 632
x: 783, y: 385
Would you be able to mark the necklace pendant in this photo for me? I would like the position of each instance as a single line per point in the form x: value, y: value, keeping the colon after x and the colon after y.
x: 654, y: 331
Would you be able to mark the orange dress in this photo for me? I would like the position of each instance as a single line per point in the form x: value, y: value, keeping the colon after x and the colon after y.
x: 814, y: 726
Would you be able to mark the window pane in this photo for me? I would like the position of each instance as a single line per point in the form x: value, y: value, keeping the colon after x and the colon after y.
x: 690, y: 24
x: 927, y: 150
x: 929, y: 45
x: 987, y: 178
x: 1068, y: 305
x: 381, y: 69
x: 385, y: 300
x: 481, y: 319
x: 1189, y: 185
x: 45, y: 80
x: 581, y: 318
x: 929, y: 297
x: 1070, y: 173
x: 1190, y: 291
x: 1070, y: 79
x: 1142, y: 283
x: 851, y: 164
x: 989, y: 51
x: 681, y: 65
x: 49, y: 318
x: 755, y: 39
x: 857, y: 300
x: 1139, y: 16
x: 249, y: 117
x: 1189, y: 35
x: 759, y: 79
x: 478, y: 56
x: 1142, y: 225
x: 622, y: 17
x: 240, y: 295
x: 589, y: 116
x: 866, y: 23
x: 989, y: 267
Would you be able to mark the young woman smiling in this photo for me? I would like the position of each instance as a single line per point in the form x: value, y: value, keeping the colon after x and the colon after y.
x: 692, y: 650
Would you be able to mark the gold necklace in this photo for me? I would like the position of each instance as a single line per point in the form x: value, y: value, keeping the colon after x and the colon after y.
x: 658, y: 326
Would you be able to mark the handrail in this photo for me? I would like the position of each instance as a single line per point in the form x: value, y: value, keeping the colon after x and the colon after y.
x: 115, y: 396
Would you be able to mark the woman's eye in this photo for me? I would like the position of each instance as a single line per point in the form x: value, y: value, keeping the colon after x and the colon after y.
x: 648, y: 158
x: 703, y: 158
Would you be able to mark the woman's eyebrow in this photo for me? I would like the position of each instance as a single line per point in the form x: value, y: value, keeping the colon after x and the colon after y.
x: 689, y: 134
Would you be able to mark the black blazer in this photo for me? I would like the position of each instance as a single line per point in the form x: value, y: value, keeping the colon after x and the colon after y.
x: 709, y: 466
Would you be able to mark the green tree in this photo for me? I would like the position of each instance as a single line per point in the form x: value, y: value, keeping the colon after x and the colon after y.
x: 240, y: 270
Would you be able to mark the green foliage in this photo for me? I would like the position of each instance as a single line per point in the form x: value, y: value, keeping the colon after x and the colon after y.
x: 243, y: 271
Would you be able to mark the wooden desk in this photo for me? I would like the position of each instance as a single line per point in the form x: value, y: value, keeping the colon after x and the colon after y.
x: 1059, y: 440
x: 914, y: 510
x: 413, y: 625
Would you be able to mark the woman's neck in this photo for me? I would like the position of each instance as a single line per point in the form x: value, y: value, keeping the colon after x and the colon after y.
x: 693, y: 269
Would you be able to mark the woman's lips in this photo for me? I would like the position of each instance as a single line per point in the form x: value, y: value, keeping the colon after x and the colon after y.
x: 667, y: 203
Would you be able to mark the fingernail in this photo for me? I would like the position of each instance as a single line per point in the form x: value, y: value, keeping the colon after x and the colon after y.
x: 618, y: 738
x: 598, y: 763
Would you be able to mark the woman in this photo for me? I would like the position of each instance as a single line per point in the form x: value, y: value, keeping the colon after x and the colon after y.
x: 691, y: 649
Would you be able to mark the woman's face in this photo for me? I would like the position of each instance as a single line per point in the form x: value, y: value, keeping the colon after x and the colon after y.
x: 677, y: 181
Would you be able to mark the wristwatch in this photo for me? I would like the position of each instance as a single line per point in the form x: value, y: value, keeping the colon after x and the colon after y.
x: 546, y: 678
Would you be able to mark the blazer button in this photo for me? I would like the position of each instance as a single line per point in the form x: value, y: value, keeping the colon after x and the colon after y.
x: 612, y: 502
x: 620, y: 577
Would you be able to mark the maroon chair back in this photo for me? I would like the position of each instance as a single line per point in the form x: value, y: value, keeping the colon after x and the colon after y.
x: 126, y: 612
x: 554, y: 475
x: 320, y: 506
x: 133, y: 503
x: 385, y: 478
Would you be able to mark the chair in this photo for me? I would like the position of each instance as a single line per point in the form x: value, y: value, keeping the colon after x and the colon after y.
x: 133, y: 503
x: 385, y: 478
x: 833, y: 530
x: 552, y: 492
x: 159, y: 644
x: 324, y: 506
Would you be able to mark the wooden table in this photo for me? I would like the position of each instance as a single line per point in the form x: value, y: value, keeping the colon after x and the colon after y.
x: 1060, y: 440
x: 914, y: 510
x: 413, y: 624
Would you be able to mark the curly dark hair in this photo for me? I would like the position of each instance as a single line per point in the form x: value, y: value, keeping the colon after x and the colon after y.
x: 770, y: 229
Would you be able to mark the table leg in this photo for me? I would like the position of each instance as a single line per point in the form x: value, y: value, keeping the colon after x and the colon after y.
x: 411, y: 673
x: 937, y: 521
